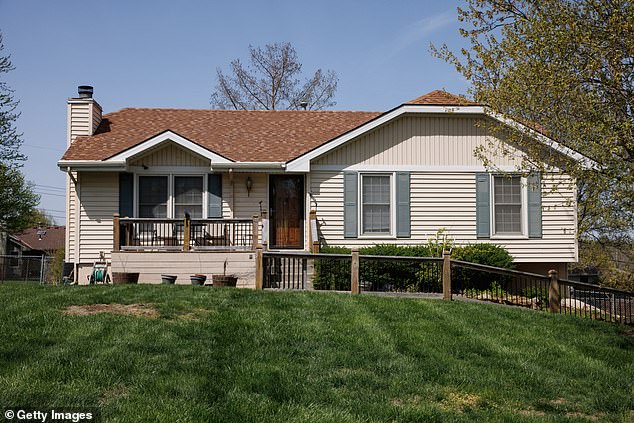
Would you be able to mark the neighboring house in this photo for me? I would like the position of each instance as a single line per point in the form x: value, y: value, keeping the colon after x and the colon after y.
x: 369, y: 177
x: 40, y: 241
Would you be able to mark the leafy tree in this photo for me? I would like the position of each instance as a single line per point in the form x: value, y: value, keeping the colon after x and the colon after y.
x: 568, y: 65
x: 17, y: 200
x: 270, y: 81
x: 10, y: 140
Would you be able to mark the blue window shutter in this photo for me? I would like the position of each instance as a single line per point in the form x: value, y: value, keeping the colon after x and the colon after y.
x: 214, y: 197
x: 403, y: 221
x: 126, y: 195
x: 534, y: 205
x: 483, y: 207
x: 350, y: 196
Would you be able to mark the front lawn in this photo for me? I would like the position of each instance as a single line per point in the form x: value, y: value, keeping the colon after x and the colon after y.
x: 182, y: 353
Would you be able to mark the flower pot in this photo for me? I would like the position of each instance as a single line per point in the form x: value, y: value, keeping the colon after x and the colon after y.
x: 168, y: 279
x: 198, y: 279
x: 224, y: 280
x: 122, y: 278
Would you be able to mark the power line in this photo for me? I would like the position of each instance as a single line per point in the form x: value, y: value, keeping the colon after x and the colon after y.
x: 50, y: 187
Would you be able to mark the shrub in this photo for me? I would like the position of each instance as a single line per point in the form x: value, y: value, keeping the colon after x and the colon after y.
x: 54, y: 274
x: 487, y: 254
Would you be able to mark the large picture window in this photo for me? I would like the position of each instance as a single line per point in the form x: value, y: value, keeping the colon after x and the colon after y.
x: 153, y: 196
x: 188, y: 196
x: 376, y: 204
x: 507, y: 203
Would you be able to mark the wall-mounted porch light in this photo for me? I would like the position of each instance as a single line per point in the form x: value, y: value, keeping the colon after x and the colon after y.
x: 249, y: 186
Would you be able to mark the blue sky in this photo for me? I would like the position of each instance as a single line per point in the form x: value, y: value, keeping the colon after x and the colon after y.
x: 165, y: 54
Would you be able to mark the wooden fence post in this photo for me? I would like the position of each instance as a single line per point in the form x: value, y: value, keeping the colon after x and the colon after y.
x: 116, y: 234
x: 255, y: 230
x: 259, y: 268
x: 446, y: 275
x: 354, y: 274
x: 187, y: 232
x: 554, y: 296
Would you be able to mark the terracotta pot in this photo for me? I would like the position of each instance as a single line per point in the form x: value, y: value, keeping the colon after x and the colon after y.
x: 221, y: 281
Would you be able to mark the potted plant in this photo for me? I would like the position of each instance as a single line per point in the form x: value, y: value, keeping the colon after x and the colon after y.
x: 168, y: 279
x: 224, y: 279
x: 198, y: 279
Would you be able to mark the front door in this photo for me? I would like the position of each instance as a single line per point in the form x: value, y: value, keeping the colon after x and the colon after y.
x: 286, y: 211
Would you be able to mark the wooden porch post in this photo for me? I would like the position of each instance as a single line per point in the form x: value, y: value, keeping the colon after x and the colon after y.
x: 446, y: 275
x: 116, y: 235
x: 255, y: 231
x: 354, y: 274
x: 554, y: 296
x: 314, y: 236
x: 187, y: 232
x: 259, y: 268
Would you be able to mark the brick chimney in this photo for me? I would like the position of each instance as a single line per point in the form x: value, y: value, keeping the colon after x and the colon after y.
x: 84, y: 114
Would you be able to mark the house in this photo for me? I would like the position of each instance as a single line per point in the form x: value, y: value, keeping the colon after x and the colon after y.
x: 364, y: 177
x: 39, y: 241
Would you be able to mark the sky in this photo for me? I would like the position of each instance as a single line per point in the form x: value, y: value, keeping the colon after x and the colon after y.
x: 165, y: 54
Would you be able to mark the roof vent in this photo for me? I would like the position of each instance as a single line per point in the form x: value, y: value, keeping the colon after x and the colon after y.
x: 303, y: 104
x: 85, y: 91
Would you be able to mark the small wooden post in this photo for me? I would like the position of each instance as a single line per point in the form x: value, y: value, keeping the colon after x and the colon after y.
x: 354, y: 274
x: 554, y: 296
x: 187, y: 233
x: 116, y: 234
x: 259, y: 268
x: 265, y: 231
x: 255, y: 231
x: 446, y: 275
x: 313, y: 235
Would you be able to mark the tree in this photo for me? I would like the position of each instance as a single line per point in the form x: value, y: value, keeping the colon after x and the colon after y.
x: 17, y: 200
x: 568, y: 65
x: 10, y: 140
x: 270, y: 81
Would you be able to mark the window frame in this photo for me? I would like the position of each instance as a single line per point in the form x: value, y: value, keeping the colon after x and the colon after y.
x: 171, y: 199
x: 203, y: 213
x: 523, y: 234
x: 137, y: 193
x: 377, y: 235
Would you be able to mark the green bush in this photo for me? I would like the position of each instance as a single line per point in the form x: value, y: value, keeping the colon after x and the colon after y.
x: 56, y: 267
x: 487, y: 254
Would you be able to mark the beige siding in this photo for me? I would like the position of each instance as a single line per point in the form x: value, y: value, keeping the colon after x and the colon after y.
x: 248, y: 204
x: 79, y: 120
x: 151, y: 265
x: 170, y: 155
x: 447, y: 200
x: 435, y: 141
x: 96, y: 116
x: 71, y: 219
x: 99, y: 199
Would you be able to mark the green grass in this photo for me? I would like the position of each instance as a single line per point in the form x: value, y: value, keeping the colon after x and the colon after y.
x: 232, y: 355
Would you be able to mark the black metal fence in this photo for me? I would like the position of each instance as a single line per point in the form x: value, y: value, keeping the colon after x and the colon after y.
x: 400, y: 274
x: 425, y: 275
x: 504, y: 286
x: 25, y: 268
x: 595, y: 302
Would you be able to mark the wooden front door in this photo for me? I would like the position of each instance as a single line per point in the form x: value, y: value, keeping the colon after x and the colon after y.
x: 286, y: 211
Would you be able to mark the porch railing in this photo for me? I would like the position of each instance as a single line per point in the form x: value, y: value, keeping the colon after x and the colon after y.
x: 151, y: 234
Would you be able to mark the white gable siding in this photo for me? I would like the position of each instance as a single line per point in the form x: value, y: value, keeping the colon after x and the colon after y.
x: 434, y: 141
x: 99, y: 199
x: 170, y: 155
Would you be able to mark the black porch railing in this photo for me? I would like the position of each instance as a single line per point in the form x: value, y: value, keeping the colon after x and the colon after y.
x: 400, y: 274
x: 143, y: 234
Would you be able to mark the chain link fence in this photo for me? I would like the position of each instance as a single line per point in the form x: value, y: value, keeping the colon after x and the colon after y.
x: 26, y: 269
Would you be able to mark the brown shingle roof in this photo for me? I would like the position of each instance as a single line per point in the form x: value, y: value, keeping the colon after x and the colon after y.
x: 247, y: 136
x: 442, y: 98
x: 52, y: 238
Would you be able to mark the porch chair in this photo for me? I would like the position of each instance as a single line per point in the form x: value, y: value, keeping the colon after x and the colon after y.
x: 145, y: 234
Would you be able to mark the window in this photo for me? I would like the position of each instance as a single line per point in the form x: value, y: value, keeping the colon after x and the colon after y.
x: 507, y: 203
x: 153, y: 196
x: 376, y: 204
x: 188, y: 196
